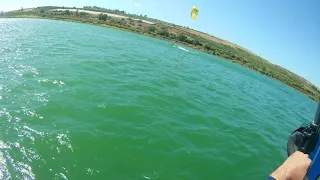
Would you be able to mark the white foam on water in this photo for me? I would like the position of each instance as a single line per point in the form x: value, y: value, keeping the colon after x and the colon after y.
x: 154, y: 175
x: 6, y: 114
x: 31, y: 69
x: 4, y: 172
x: 92, y: 171
x: 32, y: 113
x: 26, y: 170
x: 3, y: 145
x: 60, y: 83
x: 63, y: 139
x: 41, y: 97
x: 29, y: 112
x: 22, y: 167
x: 34, y: 131
x: 101, y: 106
x: 61, y: 175
x: 2, y: 86
x: 43, y: 80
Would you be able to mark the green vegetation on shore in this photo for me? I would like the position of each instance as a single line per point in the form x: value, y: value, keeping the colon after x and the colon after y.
x: 173, y: 33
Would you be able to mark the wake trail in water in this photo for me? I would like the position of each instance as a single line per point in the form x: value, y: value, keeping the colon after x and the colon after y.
x: 184, y: 49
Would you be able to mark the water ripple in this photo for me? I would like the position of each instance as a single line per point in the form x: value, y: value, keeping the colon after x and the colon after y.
x: 85, y: 102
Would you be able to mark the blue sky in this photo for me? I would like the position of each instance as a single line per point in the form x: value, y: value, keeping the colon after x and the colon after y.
x: 284, y: 32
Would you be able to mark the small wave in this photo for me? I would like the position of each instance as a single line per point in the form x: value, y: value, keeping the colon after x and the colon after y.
x: 4, y: 172
x: 3, y: 145
x: 23, y: 168
x: 57, y: 82
x: 41, y: 97
x: 63, y: 139
x: 43, y: 80
x: 153, y: 175
x: 61, y: 175
x: 22, y: 70
x: 34, y: 131
x: 31, y: 69
x: 91, y: 171
x: 2, y: 86
x: 7, y: 162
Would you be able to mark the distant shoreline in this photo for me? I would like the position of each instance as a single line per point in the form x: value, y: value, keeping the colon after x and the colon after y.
x: 97, y: 13
x: 173, y: 33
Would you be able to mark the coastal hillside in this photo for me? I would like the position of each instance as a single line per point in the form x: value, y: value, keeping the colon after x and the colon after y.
x: 178, y: 34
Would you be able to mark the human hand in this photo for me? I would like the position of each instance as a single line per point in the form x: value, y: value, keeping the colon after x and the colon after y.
x: 294, y: 168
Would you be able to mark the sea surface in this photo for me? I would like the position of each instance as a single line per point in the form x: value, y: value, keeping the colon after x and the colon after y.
x: 79, y: 101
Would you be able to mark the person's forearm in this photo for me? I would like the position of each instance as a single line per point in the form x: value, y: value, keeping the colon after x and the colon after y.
x: 294, y: 168
x: 280, y: 174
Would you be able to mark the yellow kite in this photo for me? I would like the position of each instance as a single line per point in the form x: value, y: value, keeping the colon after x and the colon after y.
x: 194, y: 12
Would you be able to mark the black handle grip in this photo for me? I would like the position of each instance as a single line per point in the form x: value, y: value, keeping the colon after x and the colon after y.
x: 290, y: 145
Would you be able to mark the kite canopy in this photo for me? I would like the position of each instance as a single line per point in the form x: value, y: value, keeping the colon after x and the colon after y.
x: 194, y: 12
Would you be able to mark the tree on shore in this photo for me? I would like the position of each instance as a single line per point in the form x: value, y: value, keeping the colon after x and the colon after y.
x: 83, y: 14
x: 152, y: 28
x: 164, y: 32
x: 182, y: 37
x: 102, y: 17
x: 68, y: 12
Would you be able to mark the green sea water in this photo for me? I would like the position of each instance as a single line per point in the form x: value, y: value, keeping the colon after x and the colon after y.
x: 80, y: 101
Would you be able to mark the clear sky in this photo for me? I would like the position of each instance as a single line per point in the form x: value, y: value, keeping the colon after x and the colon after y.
x: 285, y: 32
